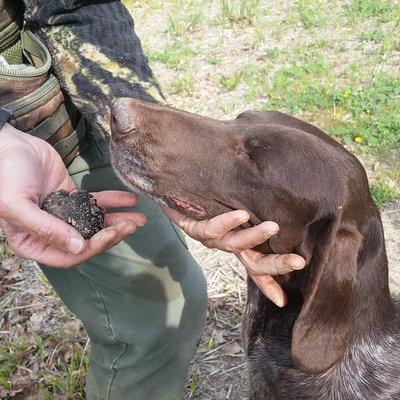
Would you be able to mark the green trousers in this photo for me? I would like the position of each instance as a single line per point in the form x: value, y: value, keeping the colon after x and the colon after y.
x: 143, y: 303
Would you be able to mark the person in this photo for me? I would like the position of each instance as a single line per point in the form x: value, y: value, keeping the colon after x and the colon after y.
x: 134, y: 285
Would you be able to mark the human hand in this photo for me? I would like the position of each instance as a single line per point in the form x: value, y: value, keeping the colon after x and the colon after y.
x: 30, y: 169
x: 218, y: 233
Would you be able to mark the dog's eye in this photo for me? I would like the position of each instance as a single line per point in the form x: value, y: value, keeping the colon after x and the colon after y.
x: 240, y: 152
x: 244, y: 155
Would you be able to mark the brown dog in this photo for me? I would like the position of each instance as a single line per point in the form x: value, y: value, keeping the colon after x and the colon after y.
x: 339, y: 337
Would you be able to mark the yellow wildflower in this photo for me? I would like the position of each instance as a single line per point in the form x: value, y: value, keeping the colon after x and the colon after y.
x: 346, y: 93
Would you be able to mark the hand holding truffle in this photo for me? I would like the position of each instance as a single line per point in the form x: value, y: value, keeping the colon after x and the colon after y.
x: 30, y: 169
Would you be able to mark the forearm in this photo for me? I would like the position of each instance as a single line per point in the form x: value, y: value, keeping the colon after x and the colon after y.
x: 95, y: 53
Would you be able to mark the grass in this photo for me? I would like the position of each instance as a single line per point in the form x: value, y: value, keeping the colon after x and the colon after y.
x: 11, y: 355
x: 193, y: 385
x: 310, y: 13
x: 71, y: 380
x: 365, y: 111
x: 367, y: 9
x: 5, y: 251
x: 69, y: 369
x: 382, y: 192
x: 374, y: 113
x: 241, y: 12
x: 230, y: 81
x: 182, y: 84
x: 184, y: 17
x: 213, y: 60
x: 372, y: 35
x: 177, y: 55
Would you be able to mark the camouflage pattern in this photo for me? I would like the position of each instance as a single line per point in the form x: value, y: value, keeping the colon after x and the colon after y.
x: 95, y: 52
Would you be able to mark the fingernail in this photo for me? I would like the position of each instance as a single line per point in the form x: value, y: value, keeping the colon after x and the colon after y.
x: 129, y: 225
x: 293, y: 262
x: 242, y: 216
x: 279, y: 302
x: 109, y: 232
x: 271, y: 227
x: 75, y: 245
x: 140, y: 221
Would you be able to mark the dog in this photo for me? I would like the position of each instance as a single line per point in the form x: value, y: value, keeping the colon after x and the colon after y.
x: 339, y: 336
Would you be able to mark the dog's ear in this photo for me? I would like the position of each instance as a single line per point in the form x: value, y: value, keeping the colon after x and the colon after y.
x: 324, y: 325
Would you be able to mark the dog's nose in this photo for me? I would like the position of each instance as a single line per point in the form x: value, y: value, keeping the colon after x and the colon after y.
x: 122, y: 121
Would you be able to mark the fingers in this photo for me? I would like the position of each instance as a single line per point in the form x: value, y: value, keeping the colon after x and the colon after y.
x: 115, y: 198
x: 115, y: 218
x: 208, y: 229
x: 107, y: 238
x: 236, y: 241
x: 46, y: 228
x: 30, y: 247
x: 273, y: 264
x: 270, y: 289
x: 218, y: 232
x: 260, y: 267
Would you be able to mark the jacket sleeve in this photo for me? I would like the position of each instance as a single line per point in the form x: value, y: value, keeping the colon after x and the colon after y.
x: 95, y: 52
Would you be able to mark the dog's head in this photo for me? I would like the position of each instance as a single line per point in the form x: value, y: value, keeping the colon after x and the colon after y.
x: 280, y: 169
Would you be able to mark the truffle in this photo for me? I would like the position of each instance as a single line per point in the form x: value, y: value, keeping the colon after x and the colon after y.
x: 79, y: 209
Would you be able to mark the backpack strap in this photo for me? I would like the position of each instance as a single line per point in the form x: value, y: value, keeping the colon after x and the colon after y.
x: 33, y: 96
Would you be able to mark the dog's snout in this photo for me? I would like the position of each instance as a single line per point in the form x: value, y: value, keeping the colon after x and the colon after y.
x: 122, y: 120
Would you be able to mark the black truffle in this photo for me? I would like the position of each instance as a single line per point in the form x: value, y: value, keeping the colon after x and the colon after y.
x: 78, y: 209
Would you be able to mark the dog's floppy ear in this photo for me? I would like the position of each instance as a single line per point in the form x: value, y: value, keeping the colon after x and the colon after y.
x: 324, y: 325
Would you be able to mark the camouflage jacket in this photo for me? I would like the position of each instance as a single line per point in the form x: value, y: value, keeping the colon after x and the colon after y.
x: 95, y: 53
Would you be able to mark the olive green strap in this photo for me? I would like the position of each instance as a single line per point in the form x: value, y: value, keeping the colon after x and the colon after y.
x: 9, y: 36
x: 51, y: 124
x: 37, y: 98
x: 65, y: 146
x: 35, y: 51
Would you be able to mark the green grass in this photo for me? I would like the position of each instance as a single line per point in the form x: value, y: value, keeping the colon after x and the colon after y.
x: 184, y: 17
x: 5, y: 251
x: 71, y: 381
x: 242, y: 12
x: 299, y: 86
x: 372, y: 35
x: 374, y: 113
x: 382, y: 192
x: 310, y: 13
x: 257, y: 80
x: 272, y: 53
x: 213, y: 60
x: 59, y: 374
x: 182, y: 84
x: 177, y: 55
x: 383, y: 10
x: 307, y: 85
x: 12, y: 355
x: 193, y: 385
x: 230, y: 81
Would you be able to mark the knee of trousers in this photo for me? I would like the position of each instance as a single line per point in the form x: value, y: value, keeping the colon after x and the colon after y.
x: 150, y: 312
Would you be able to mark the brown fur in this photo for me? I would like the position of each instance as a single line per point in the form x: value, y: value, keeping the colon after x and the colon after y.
x: 338, y: 338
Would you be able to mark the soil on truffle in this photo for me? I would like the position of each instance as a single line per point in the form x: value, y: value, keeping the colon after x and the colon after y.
x: 78, y: 209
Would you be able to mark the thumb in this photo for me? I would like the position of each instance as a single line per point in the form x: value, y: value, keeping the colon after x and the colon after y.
x: 45, y: 227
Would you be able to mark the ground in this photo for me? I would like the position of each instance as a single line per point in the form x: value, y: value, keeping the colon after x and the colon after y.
x: 332, y: 63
